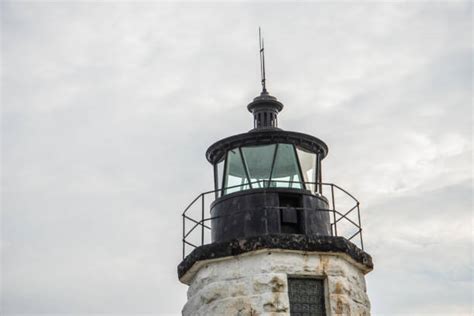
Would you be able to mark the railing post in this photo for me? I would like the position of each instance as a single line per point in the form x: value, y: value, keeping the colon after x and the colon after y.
x: 184, y: 229
x: 216, y: 181
x: 333, y: 209
x: 202, y: 219
x: 360, y: 228
x: 320, y: 175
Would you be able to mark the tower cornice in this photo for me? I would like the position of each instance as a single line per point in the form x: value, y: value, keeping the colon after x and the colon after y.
x: 290, y: 242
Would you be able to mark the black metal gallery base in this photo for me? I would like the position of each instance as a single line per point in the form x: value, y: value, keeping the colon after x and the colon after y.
x: 281, y: 241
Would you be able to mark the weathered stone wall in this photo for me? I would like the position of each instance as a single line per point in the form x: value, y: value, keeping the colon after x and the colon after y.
x: 256, y: 283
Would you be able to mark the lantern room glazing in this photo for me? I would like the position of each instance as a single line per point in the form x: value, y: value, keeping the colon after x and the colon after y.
x: 278, y: 165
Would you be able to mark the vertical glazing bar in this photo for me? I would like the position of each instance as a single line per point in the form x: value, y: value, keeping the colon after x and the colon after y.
x: 224, y: 173
x: 320, y: 175
x: 216, y: 181
x: 315, y: 175
x: 202, y: 219
x: 300, y: 170
x: 333, y: 209
x: 273, y: 165
x: 245, y: 167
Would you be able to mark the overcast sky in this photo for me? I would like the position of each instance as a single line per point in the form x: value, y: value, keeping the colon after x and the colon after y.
x: 108, y: 108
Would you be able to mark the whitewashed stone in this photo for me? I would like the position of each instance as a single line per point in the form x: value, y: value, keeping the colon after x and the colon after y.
x: 256, y: 283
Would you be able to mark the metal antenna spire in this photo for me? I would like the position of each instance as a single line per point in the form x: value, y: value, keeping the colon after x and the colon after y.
x: 262, y: 61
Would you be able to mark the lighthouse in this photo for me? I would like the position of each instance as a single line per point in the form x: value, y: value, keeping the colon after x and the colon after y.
x: 271, y: 237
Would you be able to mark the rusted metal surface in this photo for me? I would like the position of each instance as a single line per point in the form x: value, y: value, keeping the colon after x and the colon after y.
x: 281, y: 241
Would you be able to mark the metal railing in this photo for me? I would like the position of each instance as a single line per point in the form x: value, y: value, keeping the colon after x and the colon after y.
x: 345, y: 220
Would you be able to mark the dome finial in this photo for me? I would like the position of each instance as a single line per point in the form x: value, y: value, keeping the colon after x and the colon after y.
x: 262, y: 61
x: 264, y: 107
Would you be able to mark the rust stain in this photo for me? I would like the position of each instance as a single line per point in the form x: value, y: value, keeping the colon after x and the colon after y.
x: 339, y: 306
x: 275, y: 305
x: 277, y: 284
x: 243, y: 307
x: 339, y: 288
x: 305, y: 263
x: 342, y: 307
x: 324, y: 263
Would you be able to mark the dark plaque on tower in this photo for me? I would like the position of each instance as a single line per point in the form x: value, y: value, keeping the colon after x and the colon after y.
x: 306, y: 297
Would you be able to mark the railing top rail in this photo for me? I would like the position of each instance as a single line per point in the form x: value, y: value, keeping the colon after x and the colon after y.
x: 343, y: 190
x: 267, y: 182
x: 342, y: 216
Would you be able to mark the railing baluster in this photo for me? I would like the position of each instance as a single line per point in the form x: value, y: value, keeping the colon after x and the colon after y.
x: 360, y: 228
x: 333, y: 209
x: 202, y: 220
x: 195, y: 221
x: 347, y: 213
x: 184, y: 230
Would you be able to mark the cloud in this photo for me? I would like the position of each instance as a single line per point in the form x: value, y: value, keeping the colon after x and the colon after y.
x: 108, y: 108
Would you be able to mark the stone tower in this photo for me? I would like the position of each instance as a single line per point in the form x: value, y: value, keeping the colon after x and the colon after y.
x: 274, y: 240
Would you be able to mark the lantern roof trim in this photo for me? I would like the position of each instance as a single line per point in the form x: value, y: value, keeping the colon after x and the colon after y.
x: 215, y: 153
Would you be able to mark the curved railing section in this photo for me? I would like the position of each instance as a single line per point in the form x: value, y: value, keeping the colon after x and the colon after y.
x: 343, y: 207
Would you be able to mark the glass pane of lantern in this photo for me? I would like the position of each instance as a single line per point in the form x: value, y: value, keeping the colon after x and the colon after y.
x: 235, y: 176
x: 220, y: 174
x: 308, y: 166
x: 285, y: 171
x: 258, y: 160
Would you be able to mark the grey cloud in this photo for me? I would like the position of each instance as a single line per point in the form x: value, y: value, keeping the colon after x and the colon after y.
x: 107, y: 109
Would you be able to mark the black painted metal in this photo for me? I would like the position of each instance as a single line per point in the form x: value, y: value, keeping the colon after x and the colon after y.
x: 224, y: 170
x: 257, y: 212
x: 302, y: 243
x: 265, y: 109
x: 262, y: 59
x: 216, y: 152
x: 216, y: 180
x: 306, y: 297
